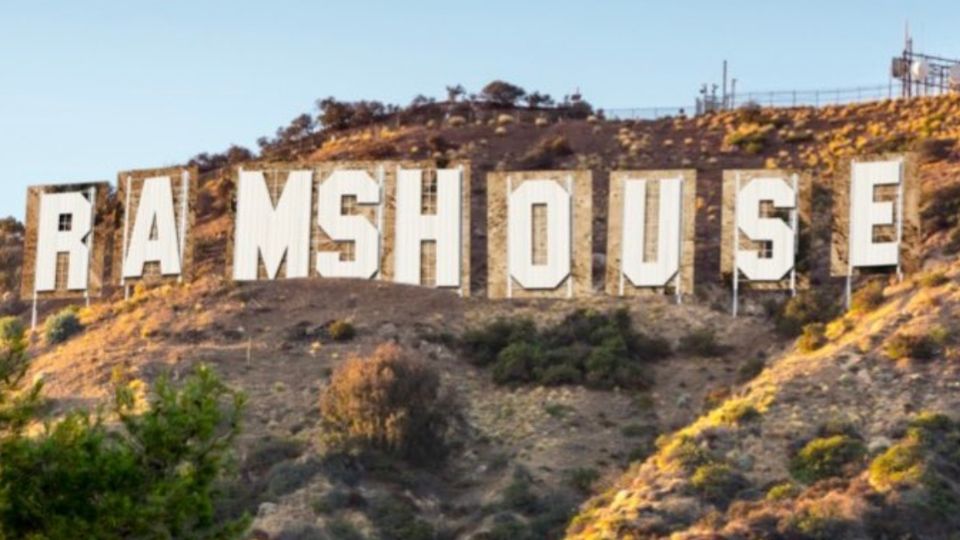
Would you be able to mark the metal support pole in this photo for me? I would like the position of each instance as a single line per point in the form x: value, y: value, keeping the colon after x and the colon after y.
x: 795, y: 224
x: 724, y: 97
x: 380, y: 222
x: 677, y: 289
x: 570, y: 213
x: 623, y: 249
x: 126, y: 226
x: 899, y: 219
x: 509, y: 271
x: 93, y: 234
x: 460, y: 232
x: 736, y: 236
x: 848, y: 288
x: 184, y: 195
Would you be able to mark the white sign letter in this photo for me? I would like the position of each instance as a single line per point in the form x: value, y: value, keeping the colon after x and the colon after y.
x: 342, y: 227
x: 155, y: 237
x: 520, y: 234
x: 272, y: 233
x: 65, y: 223
x: 659, y: 272
x: 781, y: 236
x: 414, y: 227
x: 866, y: 213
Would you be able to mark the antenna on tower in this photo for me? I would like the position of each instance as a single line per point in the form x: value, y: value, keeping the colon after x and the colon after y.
x: 907, y: 40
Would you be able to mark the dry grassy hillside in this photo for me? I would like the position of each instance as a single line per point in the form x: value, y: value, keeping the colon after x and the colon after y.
x: 733, y: 405
x: 819, y: 445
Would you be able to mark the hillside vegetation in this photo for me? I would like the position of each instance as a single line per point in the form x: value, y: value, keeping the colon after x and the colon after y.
x: 374, y: 410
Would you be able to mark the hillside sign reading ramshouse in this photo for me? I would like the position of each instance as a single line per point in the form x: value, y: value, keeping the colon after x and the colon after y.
x: 410, y: 223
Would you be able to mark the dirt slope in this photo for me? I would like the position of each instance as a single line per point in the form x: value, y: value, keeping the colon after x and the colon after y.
x: 257, y: 337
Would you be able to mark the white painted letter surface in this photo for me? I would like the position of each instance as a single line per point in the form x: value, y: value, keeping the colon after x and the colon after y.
x: 780, y: 234
x: 657, y: 273
x: 413, y: 227
x: 866, y: 213
x: 348, y: 228
x: 65, y: 223
x: 154, y: 212
x: 272, y: 233
x: 520, y: 234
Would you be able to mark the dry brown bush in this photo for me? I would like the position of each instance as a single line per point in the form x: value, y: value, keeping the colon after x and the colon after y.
x: 387, y: 401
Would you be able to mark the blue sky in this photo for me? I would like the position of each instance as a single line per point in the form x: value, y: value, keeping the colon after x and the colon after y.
x: 90, y: 88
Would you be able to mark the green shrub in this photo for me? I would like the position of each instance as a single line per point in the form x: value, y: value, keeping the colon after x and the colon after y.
x: 750, y: 137
x: 586, y: 347
x: 582, y: 479
x: 634, y: 430
x: 483, y: 344
x: 546, y: 517
x: 783, y: 491
x: 867, y: 298
x: 387, y: 402
x: 336, y: 499
x: 62, y: 326
x: 701, y: 342
x: 751, y: 368
x: 826, y: 457
x: 288, y: 476
x: 901, y: 464
x: 558, y: 410
x: 11, y: 330
x: 812, y: 338
x: 269, y: 450
x: 18, y: 401
x: 926, y: 454
x: 820, y: 521
x: 682, y: 451
x: 396, y: 519
x: 717, y: 482
x: 561, y: 374
x: 641, y: 452
x: 934, y: 279
x: 517, y: 363
x: 918, y: 347
x: 941, y: 335
x: 342, y: 529
x: 341, y: 330
x: 927, y: 423
x: 154, y: 477
x: 734, y: 411
x: 519, y: 495
x: 805, y: 308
